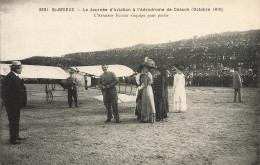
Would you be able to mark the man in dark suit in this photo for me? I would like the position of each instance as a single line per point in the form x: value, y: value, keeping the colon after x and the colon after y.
x: 13, y: 94
x: 72, y: 89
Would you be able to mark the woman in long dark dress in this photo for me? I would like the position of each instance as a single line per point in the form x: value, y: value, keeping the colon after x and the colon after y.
x: 160, y: 89
x: 138, y: 107
x: 165, y: 75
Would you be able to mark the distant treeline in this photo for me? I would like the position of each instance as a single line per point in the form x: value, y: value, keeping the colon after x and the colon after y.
x: 209, y: 53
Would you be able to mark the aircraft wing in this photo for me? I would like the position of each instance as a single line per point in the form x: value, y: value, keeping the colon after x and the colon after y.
x: 37, y: 71
x: 96, y: 70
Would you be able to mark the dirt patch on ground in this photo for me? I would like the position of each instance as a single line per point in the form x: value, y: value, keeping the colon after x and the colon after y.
x: 213, y: 130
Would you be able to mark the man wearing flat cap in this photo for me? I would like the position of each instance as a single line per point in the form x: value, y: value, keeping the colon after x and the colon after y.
x: 107, y: 83
x: 72, y: 89
x: 14, y: 93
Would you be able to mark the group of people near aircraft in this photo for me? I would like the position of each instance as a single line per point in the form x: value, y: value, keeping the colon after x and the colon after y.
x: 152, y: 92
x: 152, y: 101
x: 152, y: 95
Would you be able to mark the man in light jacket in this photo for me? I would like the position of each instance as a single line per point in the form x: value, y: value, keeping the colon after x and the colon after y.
x: 107, y: 83
x: 237, y: 84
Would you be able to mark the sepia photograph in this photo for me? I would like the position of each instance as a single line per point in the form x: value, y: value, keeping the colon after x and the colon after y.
x: 102, y: 82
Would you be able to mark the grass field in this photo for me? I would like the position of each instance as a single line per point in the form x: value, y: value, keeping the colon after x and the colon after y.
x: 213, y: 130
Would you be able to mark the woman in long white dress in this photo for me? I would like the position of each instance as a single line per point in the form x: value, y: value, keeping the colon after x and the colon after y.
x: 179, y: 93
x: 148, y: 107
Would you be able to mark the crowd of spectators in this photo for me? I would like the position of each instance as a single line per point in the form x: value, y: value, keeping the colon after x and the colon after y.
x: 220, y: 80
x: 214, y: 79
x: 202, y: 52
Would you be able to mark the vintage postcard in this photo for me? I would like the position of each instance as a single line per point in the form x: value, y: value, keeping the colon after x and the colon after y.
x: 165, y: 94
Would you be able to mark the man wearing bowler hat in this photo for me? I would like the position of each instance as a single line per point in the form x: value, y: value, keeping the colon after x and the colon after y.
x: 13, y: 94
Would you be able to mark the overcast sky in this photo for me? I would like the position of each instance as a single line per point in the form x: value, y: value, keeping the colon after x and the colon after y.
x: 27, y: 32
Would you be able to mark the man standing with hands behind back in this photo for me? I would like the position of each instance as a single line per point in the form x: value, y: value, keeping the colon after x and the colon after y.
x: 13, y: 93
x: 107, y: 83
x: 237, y: 84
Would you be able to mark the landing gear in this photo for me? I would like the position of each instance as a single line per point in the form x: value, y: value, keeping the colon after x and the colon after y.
x: 49, y: 96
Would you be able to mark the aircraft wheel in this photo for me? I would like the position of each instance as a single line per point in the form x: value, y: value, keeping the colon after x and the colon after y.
x: 49, y: 96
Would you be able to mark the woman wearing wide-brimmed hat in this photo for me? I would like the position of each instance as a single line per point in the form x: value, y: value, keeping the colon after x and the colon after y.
x: 179, y: 93
x: 146, y: 79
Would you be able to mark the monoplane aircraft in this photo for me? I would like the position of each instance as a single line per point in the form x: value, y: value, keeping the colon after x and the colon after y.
x: 121, y: 71
x: 96, y: 70
x: 52, y: 75
x: 35, y: 74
